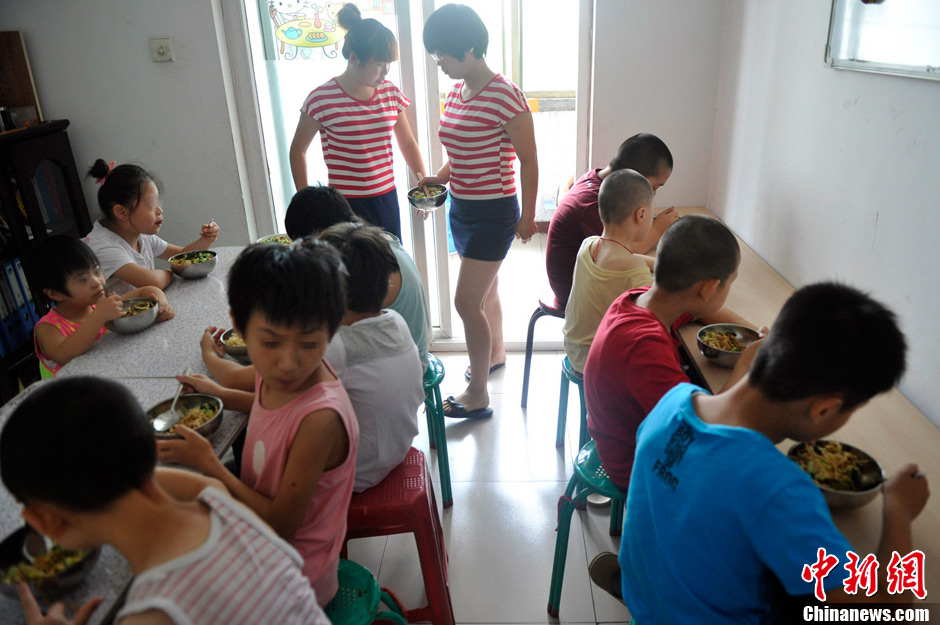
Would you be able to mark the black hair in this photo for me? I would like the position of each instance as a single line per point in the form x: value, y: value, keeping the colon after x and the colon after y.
x: 59, y: 257
x: 122, y: 185
x: 368, y: 39
x: 291, y: 285
x: 695, y: 248
x: 621, y: 193
x: 830, y: 338
x: 455, y: 29
x: 80, y: 443
x: 645, y: 153
x: 313, y: 209
x: 368, y: 258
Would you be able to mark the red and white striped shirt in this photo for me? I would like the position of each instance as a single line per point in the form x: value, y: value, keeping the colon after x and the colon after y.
x: 356, y: 136
x: 244, y: 574
x: 478, y: 147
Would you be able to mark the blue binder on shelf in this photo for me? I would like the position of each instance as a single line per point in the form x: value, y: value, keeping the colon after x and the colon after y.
x: 19, y: 303
x: 9, y: 322
x: 27, y: 292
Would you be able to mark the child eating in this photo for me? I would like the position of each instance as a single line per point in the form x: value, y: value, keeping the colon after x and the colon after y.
x: 125, y: 239
x: 606, y: 264
x: 299, y: 464
x: 716, y: 516
x: 634, y: 359
x: 70, y: 277
x: 193, y: 550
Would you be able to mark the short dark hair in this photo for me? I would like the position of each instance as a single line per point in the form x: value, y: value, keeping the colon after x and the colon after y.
x: 621, y: 193
x: 368, y: 39
x: 80, y: 443
x: 643, y: 152
x: 122, y: 185
x: 292, y: 285
x: 830, y: 338
x: 368, y: 258
x: 455, y: 29
x: 57, y: 258
x: 313, y: 209
x: 695, y: 248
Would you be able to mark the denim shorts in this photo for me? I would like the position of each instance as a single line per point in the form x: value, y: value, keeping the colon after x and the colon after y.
x: 484, y: 229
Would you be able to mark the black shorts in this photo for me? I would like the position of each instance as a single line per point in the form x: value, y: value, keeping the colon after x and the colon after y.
x: 380, y: 210
x: 484, y: 229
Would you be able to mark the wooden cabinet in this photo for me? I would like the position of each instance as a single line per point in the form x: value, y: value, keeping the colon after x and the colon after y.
x: 40, y: 195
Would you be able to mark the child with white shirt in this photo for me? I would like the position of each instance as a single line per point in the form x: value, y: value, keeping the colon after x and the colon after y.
x: 125, y: 240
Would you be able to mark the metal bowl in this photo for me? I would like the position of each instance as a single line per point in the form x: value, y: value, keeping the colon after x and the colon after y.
x: 11, y: 552
x: 186, y: 402
x: 280, y: 237
x: 871, y: 479
x: 721, y: 357
x: 196, y: 270
x: 137, y: 322
x: 236, y: 352
x: 428, y: 204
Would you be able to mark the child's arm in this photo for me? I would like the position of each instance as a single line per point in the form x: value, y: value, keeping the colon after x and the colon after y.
x: 320, y: 444
x: 134, y: 274
x: 227, y: 373
x: 185, y: 485
x: 152, y: 292
x: 661, y: 223
x: 62, y: 349
x: 207, y: 236
x: 233, y: 399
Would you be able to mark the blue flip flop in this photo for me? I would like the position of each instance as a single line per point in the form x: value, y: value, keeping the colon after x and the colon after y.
x: 455, y: 410
x: 496, y: 367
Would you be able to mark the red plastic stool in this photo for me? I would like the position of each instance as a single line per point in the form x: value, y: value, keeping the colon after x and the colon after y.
x: 404, y: 502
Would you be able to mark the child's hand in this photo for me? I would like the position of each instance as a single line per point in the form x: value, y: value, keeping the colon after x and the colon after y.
x: 906, y: 492
x: 211, y: 342
x: 192, y: 451
x: 56, y: 614
x: 109, y: 308
x: 210, y: 232
x: 666, y: 218
x: 166, y: 311
x: 198, y: 383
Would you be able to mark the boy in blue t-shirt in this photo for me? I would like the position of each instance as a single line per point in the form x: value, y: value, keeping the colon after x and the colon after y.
x: 717, y: 518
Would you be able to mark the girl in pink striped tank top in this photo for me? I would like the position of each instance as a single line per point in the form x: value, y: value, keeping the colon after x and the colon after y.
x: 299, y: 461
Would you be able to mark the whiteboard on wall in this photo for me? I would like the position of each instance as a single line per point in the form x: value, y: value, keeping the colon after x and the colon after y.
x: 899, y: 37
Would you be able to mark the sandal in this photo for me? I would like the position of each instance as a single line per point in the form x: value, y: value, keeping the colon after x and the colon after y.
x: 455, y: 410
x: 496, y: 367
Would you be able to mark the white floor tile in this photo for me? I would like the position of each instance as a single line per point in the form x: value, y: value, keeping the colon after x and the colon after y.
x: 368, y: 552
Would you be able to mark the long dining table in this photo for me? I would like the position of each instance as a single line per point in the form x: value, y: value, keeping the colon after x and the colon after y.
x: 889, y: 427
x: 147, y: 364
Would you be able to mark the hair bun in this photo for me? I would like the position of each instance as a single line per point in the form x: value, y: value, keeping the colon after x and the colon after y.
x: 349, y: 16
x: 99, y: 170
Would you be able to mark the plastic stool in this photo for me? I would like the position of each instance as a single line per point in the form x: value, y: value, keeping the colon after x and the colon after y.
x: 404, y: 502
x: 434, y: 410
x: 568, y: 376
x: 589, y: 477
x: 358, y: 598
x: 552, y: 310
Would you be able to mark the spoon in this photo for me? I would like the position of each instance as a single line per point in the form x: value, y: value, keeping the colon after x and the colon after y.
x: 165, y: 420
x: 35, y: 545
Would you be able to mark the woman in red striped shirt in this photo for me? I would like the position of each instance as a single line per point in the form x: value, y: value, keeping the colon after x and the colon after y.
x: 355, y: 114
x: 486, y: 123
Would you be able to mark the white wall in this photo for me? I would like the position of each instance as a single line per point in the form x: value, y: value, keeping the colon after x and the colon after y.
x: 172, y: 118
x: 655, y: 69
x: 831, y: 174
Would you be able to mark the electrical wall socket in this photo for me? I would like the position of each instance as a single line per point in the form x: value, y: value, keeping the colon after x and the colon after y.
x: 161, y: 49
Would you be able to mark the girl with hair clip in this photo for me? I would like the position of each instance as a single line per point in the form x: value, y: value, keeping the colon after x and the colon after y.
x: 125, y: 238
x: 356, y: 113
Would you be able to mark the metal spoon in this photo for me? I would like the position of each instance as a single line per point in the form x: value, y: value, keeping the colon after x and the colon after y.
x: 35, y: 545
x: 165, y: 420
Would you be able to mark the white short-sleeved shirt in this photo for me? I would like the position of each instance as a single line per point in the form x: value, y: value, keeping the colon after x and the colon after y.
x: 377, y: 362
x: 114, y: 252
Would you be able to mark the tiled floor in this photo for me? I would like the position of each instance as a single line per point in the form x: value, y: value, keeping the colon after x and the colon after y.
x: 500, y: 532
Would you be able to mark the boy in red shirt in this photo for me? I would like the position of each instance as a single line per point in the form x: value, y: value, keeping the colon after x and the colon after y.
x: 634, y: 358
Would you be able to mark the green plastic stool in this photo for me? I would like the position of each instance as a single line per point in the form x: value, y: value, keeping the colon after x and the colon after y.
x: 357, y: 602
x: 434, y: 409
x: 570, y: 376
x: 589, y: 477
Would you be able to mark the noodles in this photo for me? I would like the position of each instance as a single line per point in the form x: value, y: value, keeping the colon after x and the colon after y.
x: 197, y: 416
x: 49, y: 564
x: 830, y: 464
x: 136, y: 307
x: 724, y: 340
x: 192, y: 258
x: 426, y: 193
x: 283, y: 239
x: 234, y: 340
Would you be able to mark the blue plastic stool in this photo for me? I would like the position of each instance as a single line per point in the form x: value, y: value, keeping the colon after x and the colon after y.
x: 434, y: 410
x: 547, y: 306
x: 589, y: 477
x: 568, y: 376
